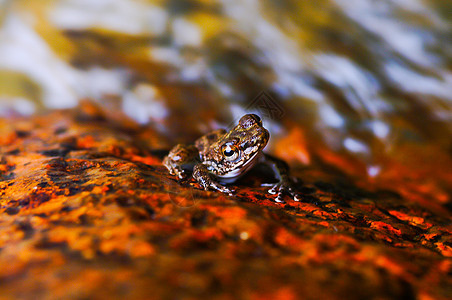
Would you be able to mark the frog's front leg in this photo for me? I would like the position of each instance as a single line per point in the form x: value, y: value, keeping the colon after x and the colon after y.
x: 285, y: 184
x: 178, y: 157
x: 203, y: 177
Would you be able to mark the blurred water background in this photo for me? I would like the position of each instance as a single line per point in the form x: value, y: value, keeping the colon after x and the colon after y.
x: 362, y: 86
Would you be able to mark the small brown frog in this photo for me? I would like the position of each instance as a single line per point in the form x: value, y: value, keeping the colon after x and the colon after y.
x: 221, y: 157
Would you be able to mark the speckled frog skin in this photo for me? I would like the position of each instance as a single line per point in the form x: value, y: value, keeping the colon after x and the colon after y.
x: 221, y: 157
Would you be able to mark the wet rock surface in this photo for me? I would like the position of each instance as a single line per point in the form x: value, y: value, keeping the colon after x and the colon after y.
x: 88, y: 211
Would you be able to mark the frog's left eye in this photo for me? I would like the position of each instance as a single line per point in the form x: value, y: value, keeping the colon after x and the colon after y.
x: 230, y: 152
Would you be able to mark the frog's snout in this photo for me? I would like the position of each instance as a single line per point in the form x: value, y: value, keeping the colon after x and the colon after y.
x: 266, y: 135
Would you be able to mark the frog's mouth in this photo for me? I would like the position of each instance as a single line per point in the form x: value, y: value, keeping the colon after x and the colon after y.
x: 233, y: 175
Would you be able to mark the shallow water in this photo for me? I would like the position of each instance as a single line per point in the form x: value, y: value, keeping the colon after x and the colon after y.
x: 363, y: 86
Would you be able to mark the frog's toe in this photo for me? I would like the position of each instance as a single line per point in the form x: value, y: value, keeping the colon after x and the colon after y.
x: 170, y: 169
x: 273, y: 189
x: 294, y: 194
x: 182, y: 175
x: 279, y: 198
x: 221, y: 188
x: 277, y: 189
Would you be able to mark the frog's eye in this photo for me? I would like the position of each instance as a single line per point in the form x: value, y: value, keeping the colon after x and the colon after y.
x: 230, y: 152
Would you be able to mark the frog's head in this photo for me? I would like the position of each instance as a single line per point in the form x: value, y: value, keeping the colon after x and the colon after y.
x: 237, y: 151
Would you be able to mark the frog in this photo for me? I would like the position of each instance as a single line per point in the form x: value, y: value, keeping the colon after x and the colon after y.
x: 221, y: 157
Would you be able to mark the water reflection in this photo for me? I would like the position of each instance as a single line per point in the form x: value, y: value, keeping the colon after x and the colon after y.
x: 361, y: 77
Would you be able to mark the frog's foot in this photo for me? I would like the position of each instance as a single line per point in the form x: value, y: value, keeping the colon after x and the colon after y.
x: 218, y: 187
x: 281, y: 188
x: 202, y: 176
x: 174, y: 169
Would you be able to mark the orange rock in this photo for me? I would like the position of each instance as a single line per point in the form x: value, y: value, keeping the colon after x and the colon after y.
x: 87, y: 211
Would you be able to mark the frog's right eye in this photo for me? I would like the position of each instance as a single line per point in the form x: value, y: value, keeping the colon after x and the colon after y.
x: 230, y: 152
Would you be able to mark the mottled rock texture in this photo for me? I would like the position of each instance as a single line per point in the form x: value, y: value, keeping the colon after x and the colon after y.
x: 87, y: 211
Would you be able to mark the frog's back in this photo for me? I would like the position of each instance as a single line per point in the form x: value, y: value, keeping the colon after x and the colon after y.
x: 203, y: 143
